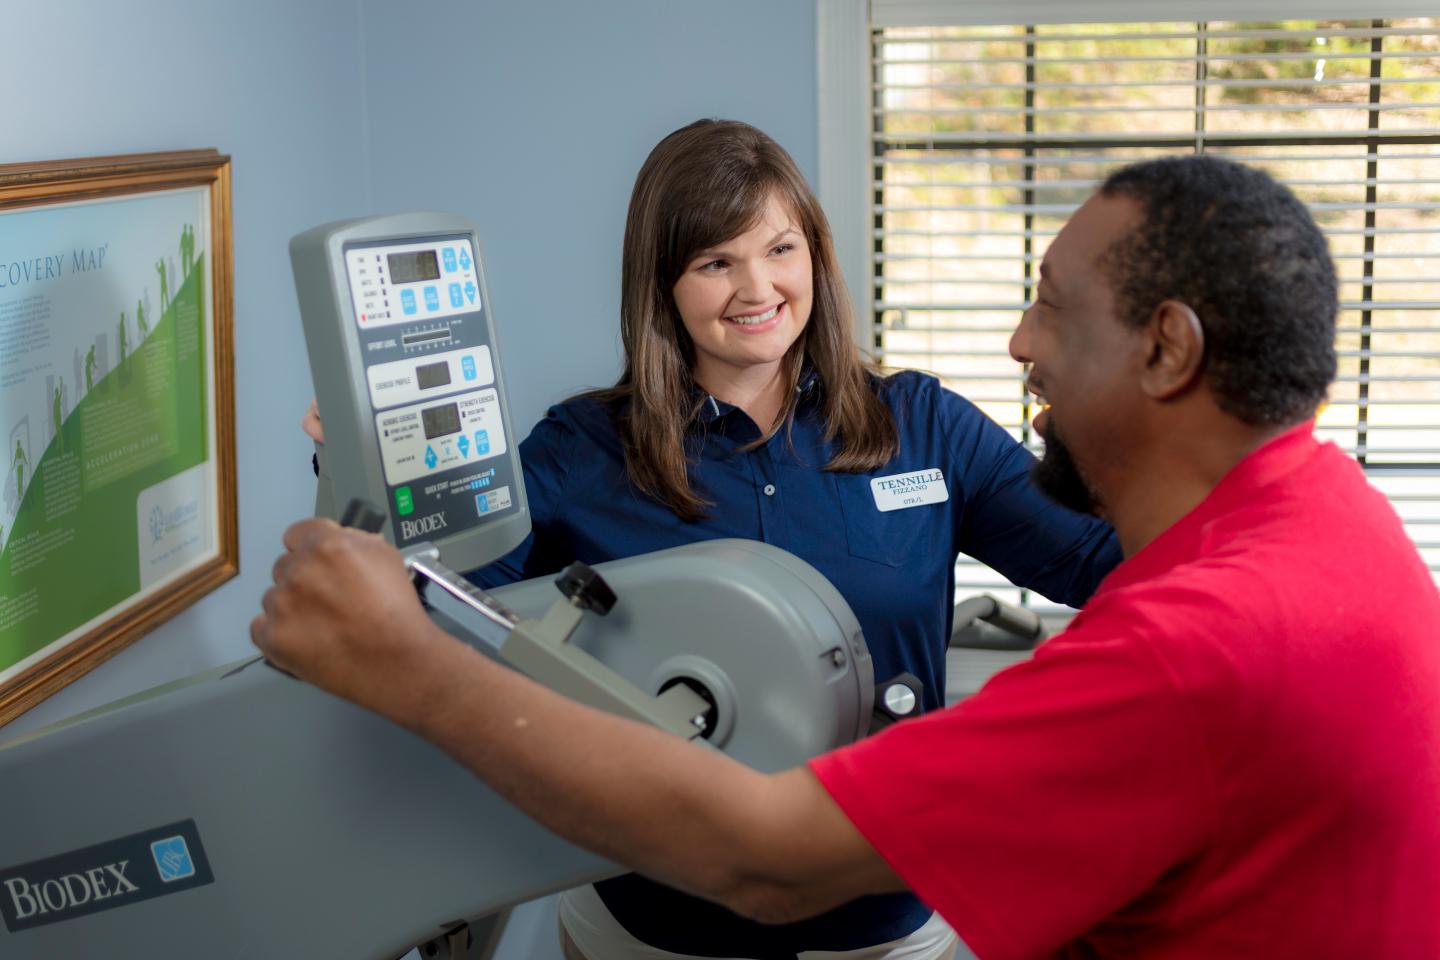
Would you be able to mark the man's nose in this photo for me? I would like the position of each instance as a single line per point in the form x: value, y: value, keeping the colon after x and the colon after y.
x: 1020, y: 339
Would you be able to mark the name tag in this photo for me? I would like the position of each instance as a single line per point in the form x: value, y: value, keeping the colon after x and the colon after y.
x: 909, y: 490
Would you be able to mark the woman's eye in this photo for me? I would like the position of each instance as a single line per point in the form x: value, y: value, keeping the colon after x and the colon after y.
x: 783, y: 248
x: 714, y: 266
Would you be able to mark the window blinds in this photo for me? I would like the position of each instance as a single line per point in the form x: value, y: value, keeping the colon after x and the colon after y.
x: 986, y: 138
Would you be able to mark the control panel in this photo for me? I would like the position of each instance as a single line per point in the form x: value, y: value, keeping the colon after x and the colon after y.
x: 406, y: 354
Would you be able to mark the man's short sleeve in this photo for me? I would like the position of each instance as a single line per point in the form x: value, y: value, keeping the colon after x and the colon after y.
x: 1047, y: 802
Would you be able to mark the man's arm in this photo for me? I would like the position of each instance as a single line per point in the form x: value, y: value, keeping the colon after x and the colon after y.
x: 344, y: 616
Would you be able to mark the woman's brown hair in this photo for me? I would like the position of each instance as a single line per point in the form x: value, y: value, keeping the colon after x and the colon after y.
x: 700, y: 186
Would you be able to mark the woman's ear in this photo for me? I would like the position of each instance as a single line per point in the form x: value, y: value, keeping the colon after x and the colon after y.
x: 1177, y: 350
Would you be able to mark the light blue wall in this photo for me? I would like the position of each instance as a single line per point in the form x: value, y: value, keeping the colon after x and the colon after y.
x: 531, y: 117
x: 276, y: 85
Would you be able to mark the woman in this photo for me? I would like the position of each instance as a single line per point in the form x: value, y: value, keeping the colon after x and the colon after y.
x: 745, y: 410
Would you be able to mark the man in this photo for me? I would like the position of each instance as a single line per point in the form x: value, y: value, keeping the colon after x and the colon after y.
x: 1233, y: 751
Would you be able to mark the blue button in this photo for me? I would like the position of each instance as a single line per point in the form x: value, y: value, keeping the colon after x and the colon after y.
x: 407, y: 301
x: 470, y: 292
x: 482, y: 503
x: 467, y: 366
x: 457, y: 299
x: 449, y: 254
x: 432, y: 298
x: 482, y: 442
x: 464, y: 444
x: 464, y: 259
x: 430, y: 458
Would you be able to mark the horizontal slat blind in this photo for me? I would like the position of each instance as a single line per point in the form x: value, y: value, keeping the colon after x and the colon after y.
x: 985, y: 139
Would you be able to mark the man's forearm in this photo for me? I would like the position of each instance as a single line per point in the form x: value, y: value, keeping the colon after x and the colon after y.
x: 773, y: 847
x: 343, y: 615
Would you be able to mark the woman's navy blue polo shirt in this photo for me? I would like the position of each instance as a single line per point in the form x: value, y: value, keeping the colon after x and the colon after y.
x: 895, y: 567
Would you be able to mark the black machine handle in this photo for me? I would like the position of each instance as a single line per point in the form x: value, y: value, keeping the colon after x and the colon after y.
x: 988, y: 623
x: 363, y: 515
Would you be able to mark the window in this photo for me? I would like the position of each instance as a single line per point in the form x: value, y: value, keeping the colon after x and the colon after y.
x: 983, y: 138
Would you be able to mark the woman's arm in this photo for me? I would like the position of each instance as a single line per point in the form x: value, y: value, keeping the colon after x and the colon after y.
x: 1008, y: 524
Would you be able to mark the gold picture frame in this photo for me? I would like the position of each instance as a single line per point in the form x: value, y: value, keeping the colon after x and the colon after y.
x: 118, y: 504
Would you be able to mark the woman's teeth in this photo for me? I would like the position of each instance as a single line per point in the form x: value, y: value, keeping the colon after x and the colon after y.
x: 758, y: 318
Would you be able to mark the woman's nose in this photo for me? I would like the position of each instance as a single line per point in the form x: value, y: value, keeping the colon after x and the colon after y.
x: 755, y: 285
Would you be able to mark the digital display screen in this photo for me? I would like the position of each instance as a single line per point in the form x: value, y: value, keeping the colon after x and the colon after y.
x: 433, y: 375
x: 441, y: 421
x: 413, y: 267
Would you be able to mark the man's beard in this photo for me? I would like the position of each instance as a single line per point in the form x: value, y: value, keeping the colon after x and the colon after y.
x: 1058, y: 476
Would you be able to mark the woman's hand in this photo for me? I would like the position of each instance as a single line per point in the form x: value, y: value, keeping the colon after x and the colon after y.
x: 310, y: 423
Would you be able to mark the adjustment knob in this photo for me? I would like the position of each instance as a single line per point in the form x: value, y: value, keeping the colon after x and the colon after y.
x: 898, y: 698
x: 586, y: 589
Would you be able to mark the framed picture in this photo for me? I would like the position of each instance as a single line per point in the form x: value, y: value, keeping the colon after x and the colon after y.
x: 117, y: 417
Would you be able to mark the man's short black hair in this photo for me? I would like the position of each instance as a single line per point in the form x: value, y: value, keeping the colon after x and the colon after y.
x: 1244, y: 253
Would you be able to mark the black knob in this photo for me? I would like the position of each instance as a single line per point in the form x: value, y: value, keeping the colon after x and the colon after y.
x: 896, y: 699
x: 364, y: 515
x: 586, y: 589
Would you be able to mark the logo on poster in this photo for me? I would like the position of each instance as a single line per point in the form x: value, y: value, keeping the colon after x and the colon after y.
x: 164, y: 523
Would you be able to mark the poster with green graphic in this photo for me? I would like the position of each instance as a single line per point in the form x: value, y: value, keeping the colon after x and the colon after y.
x: 106, y: 413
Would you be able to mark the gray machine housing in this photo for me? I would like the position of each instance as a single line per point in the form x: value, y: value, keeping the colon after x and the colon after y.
x: 350, y: 460
x: 330, y: 833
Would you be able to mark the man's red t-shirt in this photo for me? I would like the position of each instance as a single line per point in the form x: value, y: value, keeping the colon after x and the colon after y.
x: 1233, y: 751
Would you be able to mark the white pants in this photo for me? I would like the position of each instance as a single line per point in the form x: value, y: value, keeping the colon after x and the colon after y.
x: 596, y: 935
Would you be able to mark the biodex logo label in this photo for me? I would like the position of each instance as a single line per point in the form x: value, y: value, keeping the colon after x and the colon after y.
x: 108, y: 875
x: 422, y: 527
x: 68, y: 891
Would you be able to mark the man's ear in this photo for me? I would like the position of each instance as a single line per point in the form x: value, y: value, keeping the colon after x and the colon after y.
x: 1177, y: 351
